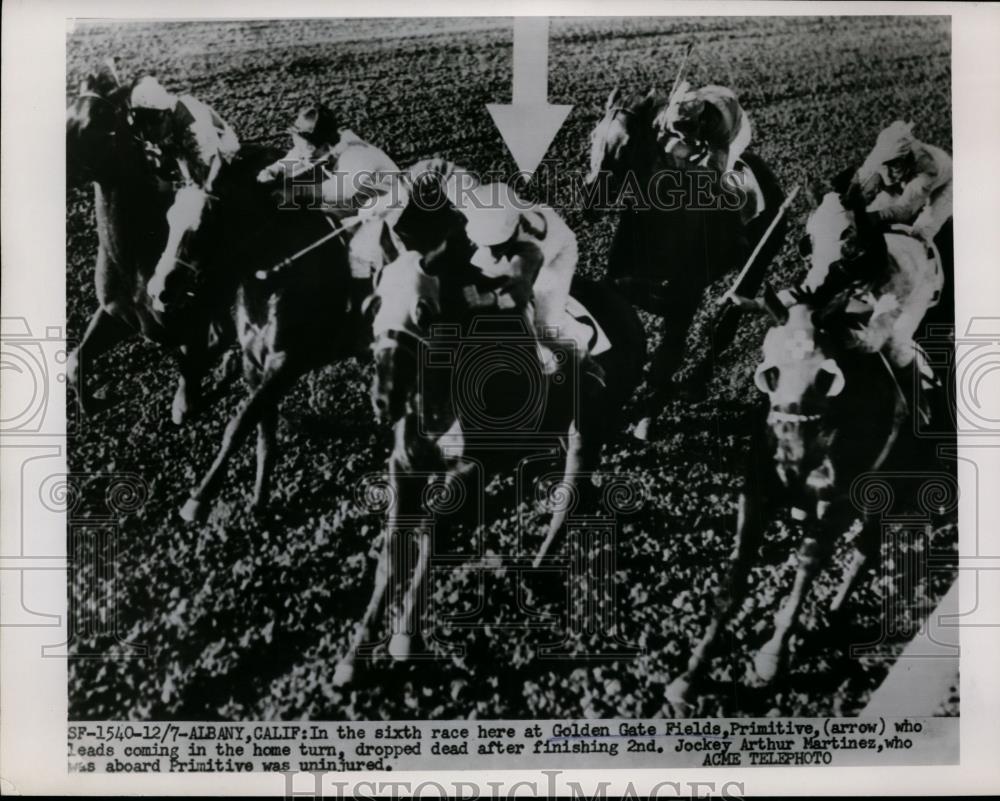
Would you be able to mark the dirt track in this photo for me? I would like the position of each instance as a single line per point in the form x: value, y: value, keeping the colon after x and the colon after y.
x: 246, y: 616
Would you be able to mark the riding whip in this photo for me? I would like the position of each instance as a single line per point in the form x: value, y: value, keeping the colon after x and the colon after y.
x: 284, y: 264
x: 681, y: 70
x: 731, y: 293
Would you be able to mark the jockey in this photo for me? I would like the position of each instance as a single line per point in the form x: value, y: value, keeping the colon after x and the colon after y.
x: 906, y: 181
x: 183, y: 130
x: 314, y: 134
x: 356, y: 175
x: 709, y: 118
x: 532, y: 246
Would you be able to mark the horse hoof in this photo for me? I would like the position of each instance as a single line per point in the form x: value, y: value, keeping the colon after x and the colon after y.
x: 191, y: 511
x: 766, y: 664
x: 679, y: 691
x: 641, y: 430
x: 678, y: 695
x: 399, y: 647
x: 343, y: 675
x: 178, y: 414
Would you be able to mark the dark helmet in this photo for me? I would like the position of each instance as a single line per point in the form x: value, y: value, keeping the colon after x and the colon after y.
x: 316, y: 124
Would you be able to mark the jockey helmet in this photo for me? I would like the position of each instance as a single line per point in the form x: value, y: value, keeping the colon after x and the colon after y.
x: 148, y: 93
x: 316, y: 124
x: 492, y: 212
x: 894, y: 142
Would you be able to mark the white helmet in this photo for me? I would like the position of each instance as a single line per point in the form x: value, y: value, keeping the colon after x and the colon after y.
x: 492, y: 212
x: 149, y: 93
x: 894, y: 142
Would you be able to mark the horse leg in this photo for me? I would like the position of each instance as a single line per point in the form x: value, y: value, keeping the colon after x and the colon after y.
x: 344, y: 672
x: 772, y: 654
x: 749, y: 526
x: 267, y: 436
x: 411, y: 604
x: 278, y: 377
x: 191, y: 363
x: 104, y: 331
x: 388, y: 572
x: 668, y: 357
x: 574, y: 461
x: 865, y: 550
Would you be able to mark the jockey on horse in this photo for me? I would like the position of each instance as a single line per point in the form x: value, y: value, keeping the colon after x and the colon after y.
x: 532, y: 247
x: 905, y: 181
x: 182, y: 131
x: 891, y: 277
x: 901, y: 202
x: 711, y: 120
x: 356, y: 177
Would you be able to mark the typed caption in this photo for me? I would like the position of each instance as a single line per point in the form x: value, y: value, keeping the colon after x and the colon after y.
x: 117, y: 747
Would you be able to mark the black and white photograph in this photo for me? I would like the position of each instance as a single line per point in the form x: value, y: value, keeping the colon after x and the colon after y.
x: 516, y: 391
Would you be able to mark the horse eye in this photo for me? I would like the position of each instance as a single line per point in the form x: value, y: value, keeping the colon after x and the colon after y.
x: 805, y: 246
x: 845, y: 235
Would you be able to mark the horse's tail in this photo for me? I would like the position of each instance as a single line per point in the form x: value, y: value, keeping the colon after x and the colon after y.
x: 774, y: 196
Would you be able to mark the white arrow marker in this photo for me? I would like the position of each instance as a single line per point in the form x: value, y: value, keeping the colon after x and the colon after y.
x: 529, y: 124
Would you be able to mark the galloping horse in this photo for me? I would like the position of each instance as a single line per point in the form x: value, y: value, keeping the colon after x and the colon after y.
x: 832, y: 370
x: 437, y: 417
x: 286, y: 328
x: 676, y: 234
x: 131, y: 205
x: 835, y: 412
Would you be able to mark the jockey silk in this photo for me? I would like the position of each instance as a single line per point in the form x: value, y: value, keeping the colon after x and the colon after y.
x: 922, y: 199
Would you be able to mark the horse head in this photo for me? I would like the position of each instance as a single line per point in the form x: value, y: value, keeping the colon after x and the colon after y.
x: 430, y: 219
x: 97, y: 126
x: 181, y: 265
x: 405, y: 304
x: 800, y: 374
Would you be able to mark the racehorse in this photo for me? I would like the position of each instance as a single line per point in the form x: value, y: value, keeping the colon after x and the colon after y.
x: 675, y: 233
x: 131, y: 205
x: 285, y: 328
x: 836, y: 412
x: 292, y: 310
x: 437, y: 413
x: 838, y: 368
